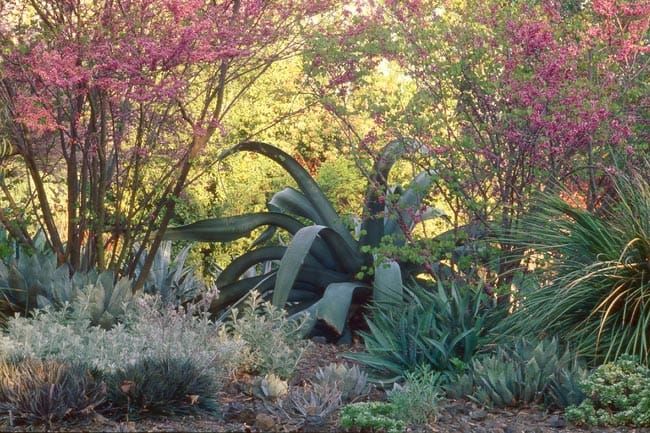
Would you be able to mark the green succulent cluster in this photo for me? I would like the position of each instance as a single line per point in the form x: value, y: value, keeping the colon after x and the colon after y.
x: 525, y: 373
x: 618, y: 393
x: 371, y: 416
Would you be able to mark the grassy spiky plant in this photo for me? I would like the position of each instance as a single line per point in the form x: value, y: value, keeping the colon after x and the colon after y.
x: 440, y: 328
x: 595, y: 290
x: 169, y: 386
x: 43, y: 392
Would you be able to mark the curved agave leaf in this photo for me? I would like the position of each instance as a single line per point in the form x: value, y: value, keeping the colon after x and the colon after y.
x: 388, y: 282
x: 305, y: 182
x: 293, y: 201
x: 270, y: 231
x: 241, y: 264
x: 231, y: 228
x: 334, y: 306
x: 266, y: 235
x: 409, y: 205
x: 350, y: 259
x: 240, y: 288
x: 319, y: 276
x: 310, y: 278
x: 373, y: 223
x: 301, y: 296
x: 313, y: 271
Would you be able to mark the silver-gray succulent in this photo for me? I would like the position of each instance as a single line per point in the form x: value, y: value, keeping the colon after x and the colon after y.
x: 352, y: 382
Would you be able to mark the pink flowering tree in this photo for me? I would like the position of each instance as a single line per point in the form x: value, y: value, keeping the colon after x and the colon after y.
x: 117, y: 99
x: 510, y: 100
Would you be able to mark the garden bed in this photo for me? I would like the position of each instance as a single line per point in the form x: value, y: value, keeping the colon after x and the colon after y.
x: 242, y: 412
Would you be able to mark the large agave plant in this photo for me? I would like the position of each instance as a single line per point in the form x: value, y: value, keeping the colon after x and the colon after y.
x: 316, y: 271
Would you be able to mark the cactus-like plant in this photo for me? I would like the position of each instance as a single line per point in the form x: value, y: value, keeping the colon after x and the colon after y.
x: 104, y: 301
x: 350, y: 381
x: 440, y: 328
x: 35, y: 280
x: 270, y: 387
x: 170, y: 277
x: 313, y: 403
x: 527, y: 372
x: 24, y: 277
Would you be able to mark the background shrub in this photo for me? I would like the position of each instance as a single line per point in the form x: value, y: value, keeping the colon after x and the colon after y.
x: 274, y: 344
x: 152, y: 330
x: 417, y: 400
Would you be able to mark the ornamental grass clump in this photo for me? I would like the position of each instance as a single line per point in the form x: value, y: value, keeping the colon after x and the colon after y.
x: 43, y: 392
x: 594, y: 269
x: 168, y: 386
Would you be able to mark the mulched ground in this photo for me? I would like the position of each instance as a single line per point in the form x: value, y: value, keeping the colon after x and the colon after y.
x: 244, y: 413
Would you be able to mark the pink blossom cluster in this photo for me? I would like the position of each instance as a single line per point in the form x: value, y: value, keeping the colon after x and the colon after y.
x: 140, y: 51
x: 623, y: 26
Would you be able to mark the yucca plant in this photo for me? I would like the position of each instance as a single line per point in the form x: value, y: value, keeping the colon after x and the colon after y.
x: 594, y: 270
x: 27, y: 274
x: 317, y: 271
